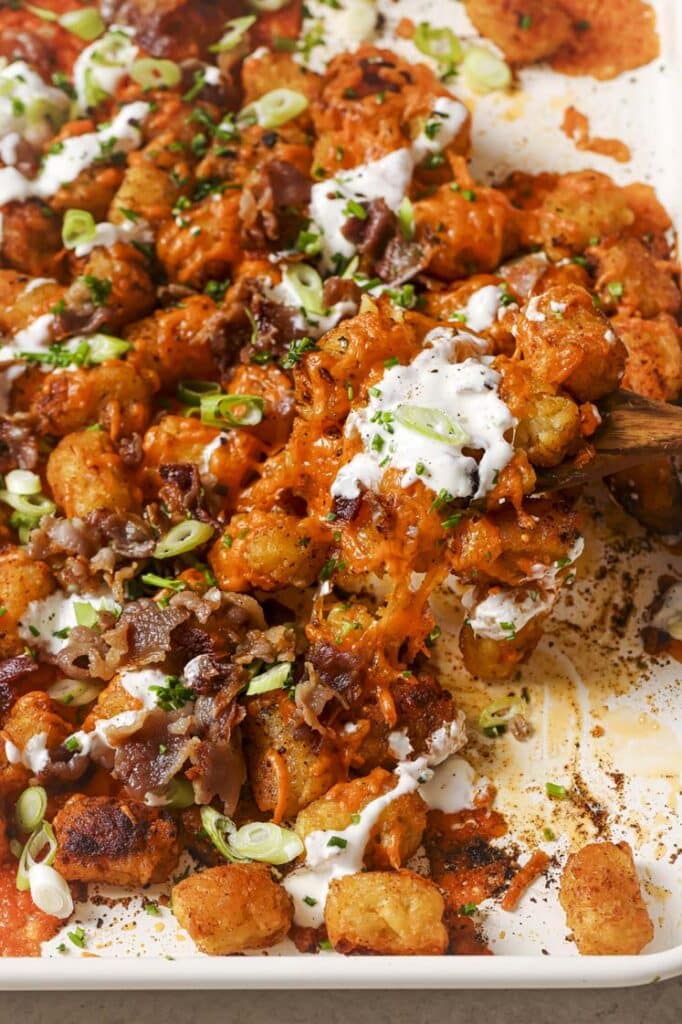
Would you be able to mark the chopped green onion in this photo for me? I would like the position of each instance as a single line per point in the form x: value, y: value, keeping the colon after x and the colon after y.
x: 182, y: 538
x: 432, y: 423
x: 440, y: 43
x: 192, y: 391
x: 77, y: 937
x: 153, y: 73
x: 30, y: 506
x: 49, y: 891
x: 274, y: 678
x: 22, y: 481
x: 86, y: 613
x: 74, y: 692
x: 338, y: 841
x: 30, y: 808
x: 615, y: 288
x: 152, y: 908
x: 34, y: 845
x: 484, y: 71
x: 274, y: 108
x: 500, y: 711
x: 266, y: 842
x: 104, y: 347
x: 87, y: 23
x: 237, y: 29
x: 556, y: 791
x: 355, y: 209
x: 42, y: 12
x: 548, y: 834
x: 179, y: 794
x: 468, y: 909
x: 406, y: 218
x: 268, y: 5
x: 78, y: 228
x: 152, y: 580
x: 218, y: 829
x: 306, y: 284
x: 223, y: 410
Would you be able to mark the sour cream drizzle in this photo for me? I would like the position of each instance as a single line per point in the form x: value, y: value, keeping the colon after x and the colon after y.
x: 466, y: 393
x: 76, y: 154
x: 387, y: 178
x: 448, y: 787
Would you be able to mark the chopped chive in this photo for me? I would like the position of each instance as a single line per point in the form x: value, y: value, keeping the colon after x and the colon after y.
x: 556, y: 791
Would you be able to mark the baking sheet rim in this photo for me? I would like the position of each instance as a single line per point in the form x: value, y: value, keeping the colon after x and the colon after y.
x: 328, y: 972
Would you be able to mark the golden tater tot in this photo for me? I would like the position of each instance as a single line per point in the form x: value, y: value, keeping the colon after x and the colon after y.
x: 233, y: 908
x: 602, y: 900
x: 388, y: 913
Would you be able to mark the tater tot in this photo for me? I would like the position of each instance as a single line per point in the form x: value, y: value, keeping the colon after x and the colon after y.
x: 602, y: 900
x: 233, y: 908
x: 396, y: 835
x: 86, y: 473
x: 268, y: 550
x: 566, y: 341
x: 390, y: 913
x: 116, y: 841
x: 22, y: 580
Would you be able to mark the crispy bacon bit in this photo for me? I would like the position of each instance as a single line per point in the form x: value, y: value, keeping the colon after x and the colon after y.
x: 130, y: 450
x: 371, y: 233
x: 182, y: 488
x: 402, y: 260
x: 340, y: 670
x: 21, y: 445
x: 275, y: 644
x: 312, y: 696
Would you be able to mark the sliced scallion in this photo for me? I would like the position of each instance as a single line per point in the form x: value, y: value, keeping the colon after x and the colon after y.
x: 556, y: 791
x: 231, y: 410
x: 499, y: 711
x: 306, y: 284
x: 155, y: 73
x: 192, y: 391
x: 266, y: 842
x: 35, y: 844
x: 268, y: 5
x: 406, y: 218
x: 49, y: 891
x: 30, y: 808
x: 22, y: 481
x: 182, y: 538
x: 484, y: 71
x: 274, y: 108
x: 86, y: 613
x: 74, y: 692
x: 86, y: 23
x: 219, y: 828
x: 104, y: 347
x: 274, y: 678
x: 32, y: 507
x: 78, y: 228
x: 236, y: 30
x: 432, y: 423
x: 440, y: 43
x: 179, y: 794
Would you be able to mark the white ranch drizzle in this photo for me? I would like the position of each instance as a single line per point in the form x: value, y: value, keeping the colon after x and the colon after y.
x: 465, y: 392
x: 483, y: 306
x: 29, y: 109
x: 102, y: 65
x: 444, y: 785
x: 77, y: 153
x: 387, y: 178
x: 53, y: 614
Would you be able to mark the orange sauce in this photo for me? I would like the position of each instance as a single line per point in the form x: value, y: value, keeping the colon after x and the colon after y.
x: 22, y: 926
x: 577, y: 127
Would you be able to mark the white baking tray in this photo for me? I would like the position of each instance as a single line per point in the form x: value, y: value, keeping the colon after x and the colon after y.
x: 583, y: 674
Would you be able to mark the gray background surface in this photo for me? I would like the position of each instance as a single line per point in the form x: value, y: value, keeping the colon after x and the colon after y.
x: 657, y: 1004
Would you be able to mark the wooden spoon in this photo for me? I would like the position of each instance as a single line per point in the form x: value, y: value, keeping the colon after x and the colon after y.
x: 633, y: 429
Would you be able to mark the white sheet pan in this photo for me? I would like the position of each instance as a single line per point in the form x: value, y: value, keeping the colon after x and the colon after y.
x: 578, y: 677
